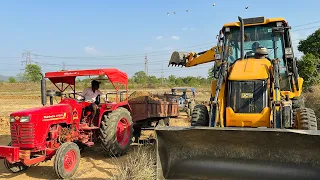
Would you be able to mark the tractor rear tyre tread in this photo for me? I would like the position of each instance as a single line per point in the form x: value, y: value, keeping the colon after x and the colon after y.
x: 68, y: 155
x: 108, y: 131
x: 305, y: 118
x: 200, y: 116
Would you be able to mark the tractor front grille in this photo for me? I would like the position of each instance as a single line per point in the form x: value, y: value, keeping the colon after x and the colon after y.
x: 247, y: 96
x: 22, y: 134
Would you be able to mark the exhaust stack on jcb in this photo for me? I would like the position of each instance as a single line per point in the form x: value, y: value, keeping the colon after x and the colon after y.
x: 256, y: 125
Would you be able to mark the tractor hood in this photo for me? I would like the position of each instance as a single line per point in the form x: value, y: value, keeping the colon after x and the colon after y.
x: 52, y: 112
x: 250, y: 69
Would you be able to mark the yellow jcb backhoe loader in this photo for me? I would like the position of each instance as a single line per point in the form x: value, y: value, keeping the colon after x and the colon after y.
x: 257, y: 125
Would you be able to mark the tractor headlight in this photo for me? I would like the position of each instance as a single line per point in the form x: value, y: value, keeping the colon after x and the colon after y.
x: 12, y: 119
x: 24, y: 119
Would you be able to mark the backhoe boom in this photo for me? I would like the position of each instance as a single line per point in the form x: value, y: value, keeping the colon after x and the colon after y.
x: 193, y: 59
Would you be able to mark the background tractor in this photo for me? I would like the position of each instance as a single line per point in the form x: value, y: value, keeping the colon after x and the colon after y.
x: 40, y: 133
x: 186, y: 98
x: 257, y: 125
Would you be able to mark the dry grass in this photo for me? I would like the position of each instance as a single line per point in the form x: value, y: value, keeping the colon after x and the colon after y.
x: 139, y: 164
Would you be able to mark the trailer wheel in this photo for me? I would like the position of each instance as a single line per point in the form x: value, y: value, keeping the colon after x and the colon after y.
x: 116, y: 132
x: 200, y: 116
x: 66, y: 160
x: 305, y: 118
x: 15, y: 167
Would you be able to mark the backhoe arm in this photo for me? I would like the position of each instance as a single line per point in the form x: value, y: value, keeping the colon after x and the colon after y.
x: 193, y: 59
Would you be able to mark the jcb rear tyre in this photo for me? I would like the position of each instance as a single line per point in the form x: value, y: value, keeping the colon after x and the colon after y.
x: 15, y: 167
x: 305, y: 118
x: 200, y: 116
x: 116, y: 132
x: 67, y: 159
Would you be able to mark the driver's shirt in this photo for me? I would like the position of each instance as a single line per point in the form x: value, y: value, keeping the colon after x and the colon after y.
x: 89, y: 95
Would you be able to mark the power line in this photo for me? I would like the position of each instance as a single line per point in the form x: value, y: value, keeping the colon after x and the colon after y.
x: 139, y: 55
x: 146, y: 65
x: 306, y: 24
x: 305, y: 28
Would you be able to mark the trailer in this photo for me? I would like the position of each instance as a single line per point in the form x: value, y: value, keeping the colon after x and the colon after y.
x: 148, y: 113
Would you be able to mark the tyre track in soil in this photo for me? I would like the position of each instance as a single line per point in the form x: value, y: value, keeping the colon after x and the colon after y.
x: 94, y: 164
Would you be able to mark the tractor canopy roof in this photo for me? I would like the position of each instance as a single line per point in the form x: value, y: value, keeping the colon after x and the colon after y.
x: 114, y: 75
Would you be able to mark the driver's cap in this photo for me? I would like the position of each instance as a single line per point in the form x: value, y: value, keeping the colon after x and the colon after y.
x: 262, y: 51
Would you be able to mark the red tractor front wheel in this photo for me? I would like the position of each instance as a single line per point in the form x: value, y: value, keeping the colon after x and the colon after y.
x: 67, y: 160
x: 116, y: 132
x: 15, y: 167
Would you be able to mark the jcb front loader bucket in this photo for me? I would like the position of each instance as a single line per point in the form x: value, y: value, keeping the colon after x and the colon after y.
x: 178, y: 58
x: 237, y: 153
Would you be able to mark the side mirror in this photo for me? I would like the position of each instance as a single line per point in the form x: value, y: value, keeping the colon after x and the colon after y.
x: 288, y: 53
x: 277, y: 30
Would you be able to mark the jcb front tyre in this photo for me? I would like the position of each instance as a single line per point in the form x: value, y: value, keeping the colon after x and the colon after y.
x: 116, y: 132
x: 200, y: 116
x: 305, y: 118
x: 66, y: 160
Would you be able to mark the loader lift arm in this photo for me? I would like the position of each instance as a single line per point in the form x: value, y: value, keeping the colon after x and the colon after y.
x: 193, y: 59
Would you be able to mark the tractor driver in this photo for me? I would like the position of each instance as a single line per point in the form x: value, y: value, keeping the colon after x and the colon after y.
x: 90, y: 94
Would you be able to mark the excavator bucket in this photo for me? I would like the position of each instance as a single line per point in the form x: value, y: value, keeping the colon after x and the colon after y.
x: 178, y: 58
x: 237, y: 153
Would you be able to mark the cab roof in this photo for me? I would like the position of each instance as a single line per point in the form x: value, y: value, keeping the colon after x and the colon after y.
x: 255, y: 21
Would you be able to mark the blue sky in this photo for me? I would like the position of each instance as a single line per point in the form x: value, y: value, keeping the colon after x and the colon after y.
x: 118, y: 34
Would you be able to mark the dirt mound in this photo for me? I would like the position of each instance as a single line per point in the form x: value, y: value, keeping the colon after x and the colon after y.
x: 140, y: 96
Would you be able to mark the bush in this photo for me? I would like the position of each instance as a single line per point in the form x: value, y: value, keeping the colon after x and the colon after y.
x: 12, y: 80
x: 139, y: 164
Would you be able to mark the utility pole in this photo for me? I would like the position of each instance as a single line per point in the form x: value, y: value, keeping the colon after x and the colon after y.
x: 146, y: 65
x: 63, y: 66
x: 27, y: 55
x: 162, y: 78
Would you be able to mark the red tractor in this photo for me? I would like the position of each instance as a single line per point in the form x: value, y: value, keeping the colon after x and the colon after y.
x: 64, y: 128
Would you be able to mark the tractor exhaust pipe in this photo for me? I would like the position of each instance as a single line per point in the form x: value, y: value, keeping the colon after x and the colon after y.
x: 43, y: 90
x: 241, y: 36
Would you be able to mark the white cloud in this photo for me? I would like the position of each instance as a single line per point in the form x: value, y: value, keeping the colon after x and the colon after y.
x: 159, y: 37
x: 91, y: 50
x: 188, y: 29
x: 175, y: 37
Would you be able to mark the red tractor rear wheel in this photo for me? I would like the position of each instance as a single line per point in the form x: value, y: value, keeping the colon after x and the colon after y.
x: 116, y: 132
x: 15, y: 167
x: 67, y: 160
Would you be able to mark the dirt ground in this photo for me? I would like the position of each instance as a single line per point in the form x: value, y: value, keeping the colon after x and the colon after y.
x: 93, y: 165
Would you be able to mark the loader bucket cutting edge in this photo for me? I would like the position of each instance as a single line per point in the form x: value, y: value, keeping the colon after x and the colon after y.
x: 177, y: 58
x: 237, y: 153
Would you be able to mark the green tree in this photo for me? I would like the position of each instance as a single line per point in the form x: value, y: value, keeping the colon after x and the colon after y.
x: 140, y: 77
x: 153, y: 80
x: 311, y: 44
x: 171, y: 79
x: 307, y: 68
x: 32, y: 73
x: 12, y: 80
